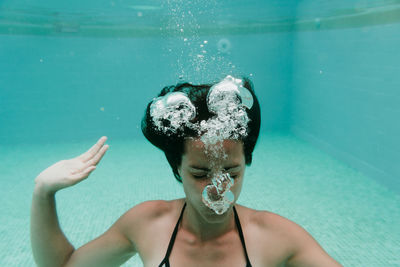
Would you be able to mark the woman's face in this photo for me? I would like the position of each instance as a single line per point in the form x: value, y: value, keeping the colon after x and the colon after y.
x: 199, y: 165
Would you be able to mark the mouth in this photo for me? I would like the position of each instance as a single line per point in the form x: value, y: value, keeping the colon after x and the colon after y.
x: 209, y: 212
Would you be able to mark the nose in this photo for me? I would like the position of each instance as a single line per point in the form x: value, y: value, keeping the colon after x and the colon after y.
x: 222, y: 182
x: 211, y: 193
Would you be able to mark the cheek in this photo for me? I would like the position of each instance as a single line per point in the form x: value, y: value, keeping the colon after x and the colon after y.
x: 237, y: 187
x: 188, y: 188
x: 192, y: 186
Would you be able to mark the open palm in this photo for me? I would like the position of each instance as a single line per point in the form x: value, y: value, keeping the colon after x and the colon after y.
x: 66, y: 173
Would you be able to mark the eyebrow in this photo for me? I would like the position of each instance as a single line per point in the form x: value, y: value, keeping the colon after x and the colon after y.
x: 199, y: 168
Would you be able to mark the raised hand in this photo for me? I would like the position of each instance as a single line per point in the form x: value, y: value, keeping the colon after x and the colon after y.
x: 66, y: 173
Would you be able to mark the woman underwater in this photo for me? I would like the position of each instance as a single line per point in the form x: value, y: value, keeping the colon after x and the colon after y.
x: 208, y: 134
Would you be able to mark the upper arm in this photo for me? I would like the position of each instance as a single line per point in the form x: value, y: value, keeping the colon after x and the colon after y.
x: 120, y: 242
x: 112, y: 248
x: 307, y: 251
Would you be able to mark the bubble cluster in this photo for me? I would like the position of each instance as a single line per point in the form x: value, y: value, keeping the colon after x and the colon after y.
x: 218, y: 196
x: 171, y: 112
x: 224, y: 126
x: 197, y: 55
x: 227, y: 100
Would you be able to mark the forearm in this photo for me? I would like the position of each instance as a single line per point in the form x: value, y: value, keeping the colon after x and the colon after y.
x: 49, y: 245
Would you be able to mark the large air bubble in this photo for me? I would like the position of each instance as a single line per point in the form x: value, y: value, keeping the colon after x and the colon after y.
x: 218, y: 196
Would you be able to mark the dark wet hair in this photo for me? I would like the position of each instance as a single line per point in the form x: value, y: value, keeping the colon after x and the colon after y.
x: 173, y: 143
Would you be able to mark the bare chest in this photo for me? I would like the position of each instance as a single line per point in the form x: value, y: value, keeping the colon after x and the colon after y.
x: 224, y: 252
x: 228, y: 251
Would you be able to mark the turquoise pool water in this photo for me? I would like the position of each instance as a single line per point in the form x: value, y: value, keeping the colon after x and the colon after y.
x: 326, y: 75
x: 352, y: 216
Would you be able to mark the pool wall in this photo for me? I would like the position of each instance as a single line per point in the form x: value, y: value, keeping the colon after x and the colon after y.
x: 345, y: 91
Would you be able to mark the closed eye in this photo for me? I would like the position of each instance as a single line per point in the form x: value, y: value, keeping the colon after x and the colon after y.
x: 199, y: 176
x: 233, y: 176
x: 206, y: 176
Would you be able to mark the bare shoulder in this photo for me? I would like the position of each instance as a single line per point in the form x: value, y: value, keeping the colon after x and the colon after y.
x: 148, y: 215
x: 127, y: 236
x: 306, y: 250
x: 149, y: 210
x: 288, y: 240
x: 268, y: 221
x: 276, y: 232
x: 264, y: 218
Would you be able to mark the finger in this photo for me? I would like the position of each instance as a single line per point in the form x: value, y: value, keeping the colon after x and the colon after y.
x: 94, y: 161
x: 93, y: 150
x: 84, y: 174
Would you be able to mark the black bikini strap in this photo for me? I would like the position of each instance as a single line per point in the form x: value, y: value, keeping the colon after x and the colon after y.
x: 239, y: 227
x: 171, y: 242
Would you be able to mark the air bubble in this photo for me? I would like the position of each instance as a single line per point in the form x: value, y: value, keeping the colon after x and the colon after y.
x: 224, y: 45
x: 218, y: 196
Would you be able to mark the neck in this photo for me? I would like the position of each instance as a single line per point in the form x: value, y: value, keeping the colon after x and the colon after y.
x: 206, y: 229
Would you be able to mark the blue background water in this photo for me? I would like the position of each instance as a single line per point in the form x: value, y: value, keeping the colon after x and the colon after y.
x: 326, y: 75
